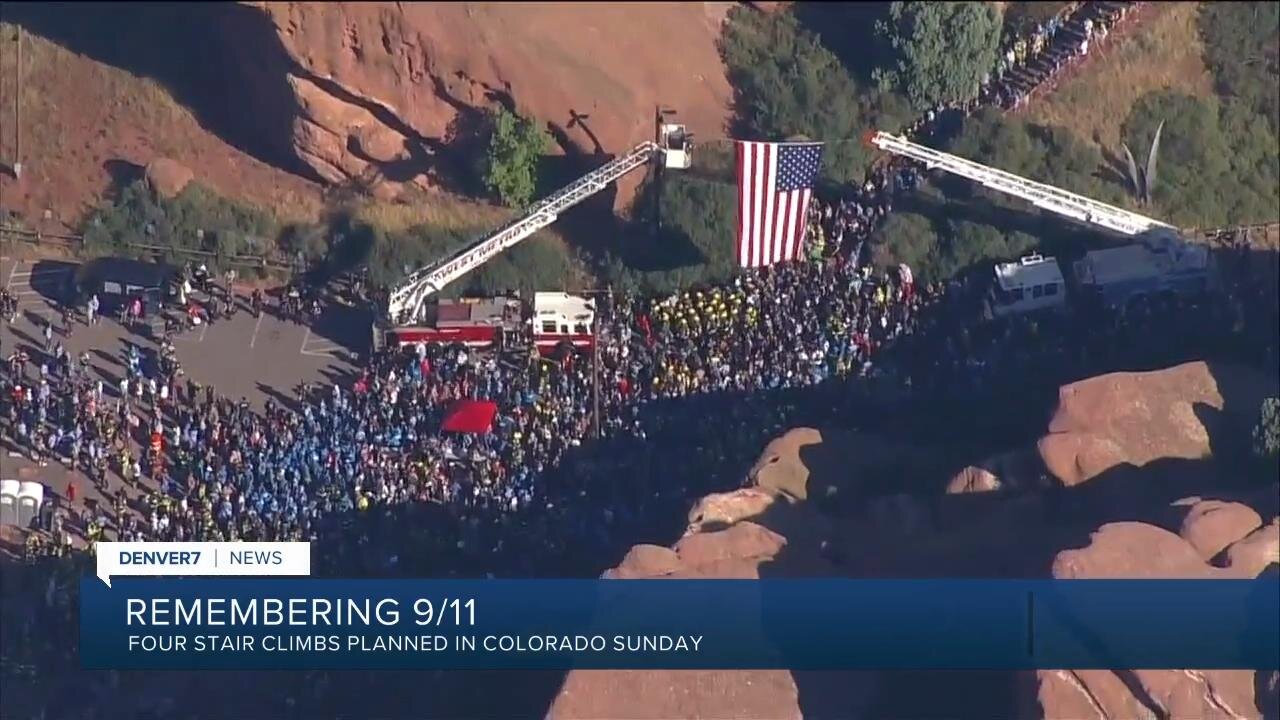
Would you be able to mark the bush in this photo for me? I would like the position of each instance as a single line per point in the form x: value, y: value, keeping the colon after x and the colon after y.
x: 538, y: 263
x: 938, y: 52
x: 786, y: 83
x: 969, y: 244
x: 1043, y: 153
x: 695, y: 245
x: 1241, y: 51
x: 196, y: 219
x: 946, y: 249
x: 1266, y: 436
x: 1217, y: 164
x: 510, y: 164
x: 309, y: 241
x: 907, y: 238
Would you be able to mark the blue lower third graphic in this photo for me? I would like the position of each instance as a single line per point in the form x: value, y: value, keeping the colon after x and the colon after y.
x: 634, y: 624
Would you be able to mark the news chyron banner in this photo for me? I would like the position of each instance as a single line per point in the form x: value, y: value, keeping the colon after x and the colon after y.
x: 161, y: 606
x: 202, y: 558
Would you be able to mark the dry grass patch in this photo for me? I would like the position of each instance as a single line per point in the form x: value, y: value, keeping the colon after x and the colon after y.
x: 1163, y: 51
x: 434, y: 209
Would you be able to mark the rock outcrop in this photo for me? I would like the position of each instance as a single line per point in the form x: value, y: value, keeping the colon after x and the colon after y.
x: 381, y: 89
x: 1137, y: 550
x: 736, y: 552
x: 814, y: 507
x: 1137, y: 418
x: 166, y: 177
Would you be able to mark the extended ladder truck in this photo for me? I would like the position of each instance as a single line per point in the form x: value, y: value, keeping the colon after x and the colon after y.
x: 1161, y: 260
x: 411, y: 316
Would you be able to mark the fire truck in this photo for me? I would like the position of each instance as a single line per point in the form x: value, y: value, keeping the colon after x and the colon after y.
x: 550, y: 319
x: 554, y: 320
x: 1158, y: 258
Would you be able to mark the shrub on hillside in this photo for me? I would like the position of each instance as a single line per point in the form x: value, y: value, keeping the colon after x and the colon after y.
x: 538, y: 263
x: 1266, y: 436
x: 1046, y: 154
x: 1242, y: 52
x: 196, y: 219
x: 787, y: 83
x: 938, y: 52
x: 941, y: 250
x: 907, y: 238
x: 510, y: 163
x: 1217, y: 165
x: 695, y: 244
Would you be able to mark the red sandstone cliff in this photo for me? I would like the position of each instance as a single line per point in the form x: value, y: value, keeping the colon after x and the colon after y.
x: 378, y: 86
x: 1125, y: 484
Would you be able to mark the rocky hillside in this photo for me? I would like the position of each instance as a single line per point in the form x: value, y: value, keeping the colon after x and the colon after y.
x: 380, y: 90
x: 1131, y: 480
x: 273, y: 102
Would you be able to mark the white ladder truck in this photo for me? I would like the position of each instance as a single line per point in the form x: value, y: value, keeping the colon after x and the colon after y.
x: 1161, y: 261
x: 407, y: 307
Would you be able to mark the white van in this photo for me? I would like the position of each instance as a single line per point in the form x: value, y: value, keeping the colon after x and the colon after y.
x: 1031, y: 284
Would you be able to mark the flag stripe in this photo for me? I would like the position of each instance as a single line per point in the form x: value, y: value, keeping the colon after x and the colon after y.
x: 799, y: 223
x: 761, y: 180
x: 775, y: 183
x: 744, y: 151
x: 786, y: 230
x: 779, y: 221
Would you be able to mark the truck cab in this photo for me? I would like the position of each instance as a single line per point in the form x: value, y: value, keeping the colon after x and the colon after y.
x: 560, y: 317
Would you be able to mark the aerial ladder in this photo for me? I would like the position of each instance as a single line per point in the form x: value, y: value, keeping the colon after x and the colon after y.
x: 1048, y: 197
x: 407, y: 302
x: 1162, y: 258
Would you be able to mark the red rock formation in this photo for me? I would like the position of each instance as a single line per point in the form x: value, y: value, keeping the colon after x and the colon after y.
x: 373, y: 82
x: 733, y: 553
x: 1126, y: 419
x: 1137, y: 550
x: 1212, y: 525
x: 1129, y: 418
x: 166, y: 177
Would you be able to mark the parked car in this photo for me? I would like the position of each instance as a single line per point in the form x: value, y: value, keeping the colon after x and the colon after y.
x: 117, y: 280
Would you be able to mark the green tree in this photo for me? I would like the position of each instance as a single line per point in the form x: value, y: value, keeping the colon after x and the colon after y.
x: 1254, y: 178
x: 908, y: 238
x: 937, y: 52
x: 1243, y: 54
x: 695, y: 244
x: 1043, y: 153
x: 968, y: 244
x: 1194, y: 156
x: 510, y: 164
x: 787, y: 83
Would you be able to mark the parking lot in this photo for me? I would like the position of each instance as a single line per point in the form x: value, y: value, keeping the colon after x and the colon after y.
x: 241, y: 356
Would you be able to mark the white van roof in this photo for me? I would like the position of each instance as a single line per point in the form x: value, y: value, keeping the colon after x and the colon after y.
x: 1028, y: 271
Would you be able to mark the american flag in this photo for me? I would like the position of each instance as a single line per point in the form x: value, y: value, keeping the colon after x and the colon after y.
x: 775, y: 182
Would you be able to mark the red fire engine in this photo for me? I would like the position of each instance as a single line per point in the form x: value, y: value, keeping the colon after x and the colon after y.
x: 554, y: 319
x: 411, y: 314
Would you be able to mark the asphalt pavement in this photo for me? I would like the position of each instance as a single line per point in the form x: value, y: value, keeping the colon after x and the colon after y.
x: 243, y: 356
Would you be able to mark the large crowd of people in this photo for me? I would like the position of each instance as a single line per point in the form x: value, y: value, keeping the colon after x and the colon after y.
x: 688, y: 388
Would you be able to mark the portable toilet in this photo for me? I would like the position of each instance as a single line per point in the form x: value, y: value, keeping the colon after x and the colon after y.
x: 9, y: 502
x: 30, y: 498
